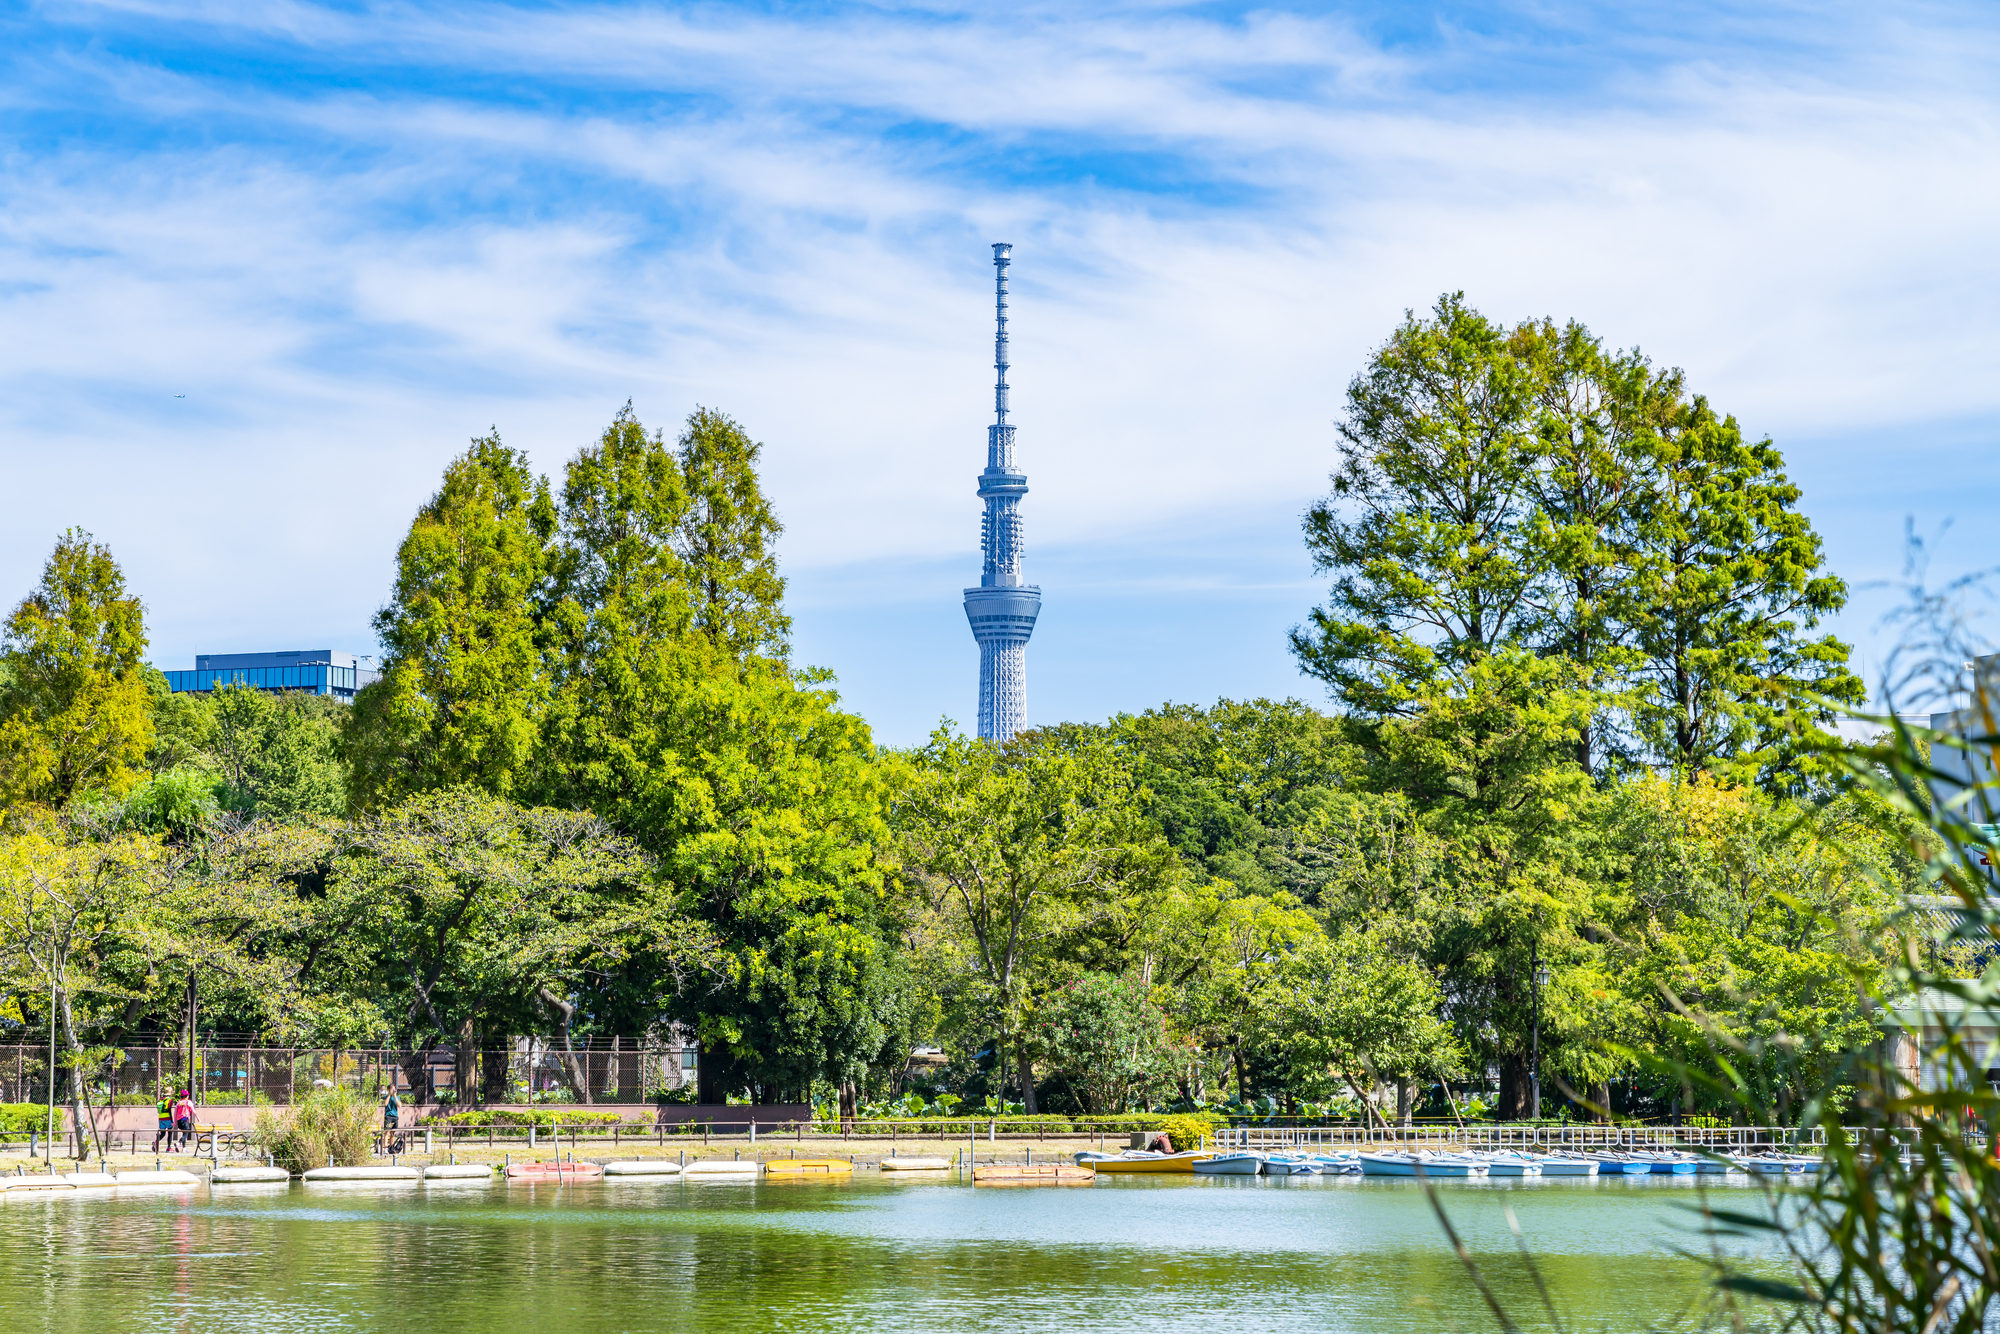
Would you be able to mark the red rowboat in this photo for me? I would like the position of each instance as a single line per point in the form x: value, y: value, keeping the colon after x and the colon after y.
x: 559, y: 1173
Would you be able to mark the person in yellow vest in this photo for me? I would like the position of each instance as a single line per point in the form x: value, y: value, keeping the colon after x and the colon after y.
x: 165, y: 1107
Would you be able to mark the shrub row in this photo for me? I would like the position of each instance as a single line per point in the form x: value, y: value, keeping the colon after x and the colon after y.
x: 18, y: 1118
x: 512, y: 1122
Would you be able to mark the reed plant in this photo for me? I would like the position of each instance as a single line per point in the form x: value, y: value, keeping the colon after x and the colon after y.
x: 331, y: 1126
x: 1898, y: 1229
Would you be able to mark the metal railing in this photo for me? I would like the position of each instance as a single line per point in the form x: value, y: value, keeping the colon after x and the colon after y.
x: 612, y: 1071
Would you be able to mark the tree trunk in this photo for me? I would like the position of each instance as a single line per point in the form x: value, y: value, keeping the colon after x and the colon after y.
x: 78, y: 1126
x: 493, y: 1071
x: 1027, y: 1084
x: 1513, y: 1089
x: 849, y: 1098
x: 578, y: 1072
x: 1403, y: 1103
x: 1242, y: 1076
x: 1600, y: 1097
x: 710, y: 1077
x: 464, y: 1070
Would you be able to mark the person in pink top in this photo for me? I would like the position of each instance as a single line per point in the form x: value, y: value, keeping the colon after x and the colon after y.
x: 184, y: 1118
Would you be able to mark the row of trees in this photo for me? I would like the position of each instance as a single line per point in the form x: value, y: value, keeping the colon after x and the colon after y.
x: 591, y: 794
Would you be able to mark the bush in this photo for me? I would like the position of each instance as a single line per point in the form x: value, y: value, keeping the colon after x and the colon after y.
x: 330, y: 1124
x: 18, y: 1118
x: 515, y: 1124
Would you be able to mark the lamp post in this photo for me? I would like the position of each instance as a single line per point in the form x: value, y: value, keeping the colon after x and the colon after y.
x: 1541, y: 975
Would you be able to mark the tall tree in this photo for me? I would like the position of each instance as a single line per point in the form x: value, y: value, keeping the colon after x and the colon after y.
x: 463, y: 687
x: 74, y: 714
x: 1730, y: 579
x: 726, y: 540
x: 1432, y: 572
x: 675, y: 717
x: 1594, y: 412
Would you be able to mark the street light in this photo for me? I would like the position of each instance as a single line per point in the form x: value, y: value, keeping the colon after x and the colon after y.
x: 1535, y: 1059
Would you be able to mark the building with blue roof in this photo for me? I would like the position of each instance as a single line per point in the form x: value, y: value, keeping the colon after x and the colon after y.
x: 318, y: 671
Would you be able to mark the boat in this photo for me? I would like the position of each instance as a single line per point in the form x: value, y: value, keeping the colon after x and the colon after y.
x: 1238, y: 1164
x: 1288, y: 1165
x: 25, y: 1185
x: 721, y: 1167
x: 642, y: 1167
x: 1032, y: 1174
x: 562, y: 1174
x: 1429, y: 1164
x: 916, y: 1164
x: 1667, y: 1164
x: 1617, y: 1164
x: 1509, y: 1164
x: 1338, y: 1164
x: 459, y: 1172
x: 169, y: 1176
x: 1776, y: 1163
x: 234, y: 1176
x: 1566, y: 1165
x: 368, y: 1173
x: 809, y: 1167
x: 1141, y: 1160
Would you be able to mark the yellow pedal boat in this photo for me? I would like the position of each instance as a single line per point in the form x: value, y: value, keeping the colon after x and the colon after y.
x: 1140, y: 1160
x: 808, y: 1167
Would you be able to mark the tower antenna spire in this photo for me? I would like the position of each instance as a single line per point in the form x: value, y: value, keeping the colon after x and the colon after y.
x: 1002, y: 610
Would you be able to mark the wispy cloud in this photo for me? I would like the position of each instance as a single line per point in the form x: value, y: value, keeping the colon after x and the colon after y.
x: 355, y: 235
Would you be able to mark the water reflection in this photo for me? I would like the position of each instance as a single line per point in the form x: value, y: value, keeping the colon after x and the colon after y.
x: 843, y: 1254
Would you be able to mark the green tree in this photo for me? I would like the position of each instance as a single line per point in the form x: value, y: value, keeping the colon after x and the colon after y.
x: 458, y: 911
x: 1038, y: 856
x: 1231, y: 786
x: 726, y: 541
x: 1432, y: 570
x: 1729, y: 579
x: 1349, y: 1008
x: 463, y: 686
x: 278, y: 752
x: 1594, y: 414
x: 74, y: 717
x: 673, y: 717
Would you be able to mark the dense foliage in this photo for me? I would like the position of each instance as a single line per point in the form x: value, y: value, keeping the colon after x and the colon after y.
x: 1564, y: 798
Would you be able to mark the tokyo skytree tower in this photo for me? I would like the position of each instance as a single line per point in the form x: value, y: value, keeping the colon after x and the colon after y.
x: 1002, y: 609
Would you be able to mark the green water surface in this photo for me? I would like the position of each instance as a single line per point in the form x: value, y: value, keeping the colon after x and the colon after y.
x: 1133, y: 1253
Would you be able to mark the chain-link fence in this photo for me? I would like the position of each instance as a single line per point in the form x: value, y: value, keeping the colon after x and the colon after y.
x: 606, y: 1070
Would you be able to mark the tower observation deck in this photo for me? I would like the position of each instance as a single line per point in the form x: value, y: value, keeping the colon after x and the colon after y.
x: 1002, y: 609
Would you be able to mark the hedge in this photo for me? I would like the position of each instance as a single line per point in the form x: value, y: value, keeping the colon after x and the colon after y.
x: 1184, y: 1128
x: 516, y: 1123
x: 18, y: 1118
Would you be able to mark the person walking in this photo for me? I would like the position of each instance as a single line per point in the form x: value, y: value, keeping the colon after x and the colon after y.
x: 184, y: 1117
x: 392, y: 1120
x: 165, y: 1131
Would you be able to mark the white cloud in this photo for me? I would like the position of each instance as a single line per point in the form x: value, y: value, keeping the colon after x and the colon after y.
x: 424, y: 222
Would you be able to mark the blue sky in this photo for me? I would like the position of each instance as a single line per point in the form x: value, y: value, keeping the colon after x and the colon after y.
x: 355, y: 235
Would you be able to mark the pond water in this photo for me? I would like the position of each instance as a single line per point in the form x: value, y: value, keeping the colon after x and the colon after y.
x: 1128, y: 1253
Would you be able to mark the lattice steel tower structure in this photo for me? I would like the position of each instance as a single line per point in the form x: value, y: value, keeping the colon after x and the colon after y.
x: 1002, y: 609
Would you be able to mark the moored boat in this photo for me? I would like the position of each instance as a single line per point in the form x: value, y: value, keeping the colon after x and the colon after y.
x: 1566, y: 1165
x: 1031, y: 1174
x: 1429, y: 1164
x: 562, y: 1174
x: 1289, y: 1165
x: 808, y: 1167
x: 1140, y: 1160
x: 1616, y: 1164
x: 1338, y: 1164
x: 1509, y: 1164
x: 1231, y: 1165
